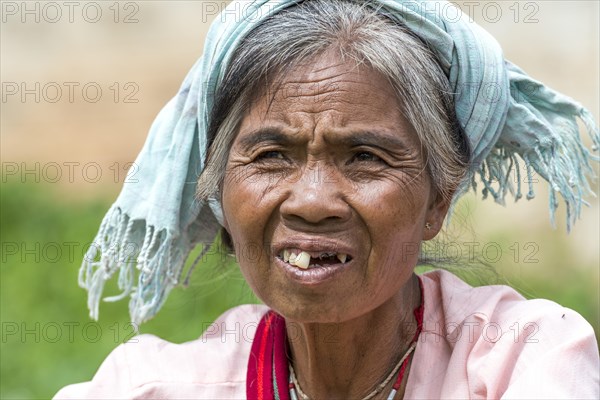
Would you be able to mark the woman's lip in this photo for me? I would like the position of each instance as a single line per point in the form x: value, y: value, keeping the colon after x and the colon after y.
x: 311, y: 276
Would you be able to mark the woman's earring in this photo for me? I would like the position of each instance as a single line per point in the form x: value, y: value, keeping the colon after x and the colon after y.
x: 427, y: 226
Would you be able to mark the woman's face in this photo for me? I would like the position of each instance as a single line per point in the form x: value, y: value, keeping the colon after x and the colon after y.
x: 328, y: 167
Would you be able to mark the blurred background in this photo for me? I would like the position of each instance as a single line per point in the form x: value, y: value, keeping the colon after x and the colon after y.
x: 81, y: 84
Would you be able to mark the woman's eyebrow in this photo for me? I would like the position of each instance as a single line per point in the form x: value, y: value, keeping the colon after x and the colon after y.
x: 373, y: 138
x: 353, y: 139
x: 262, y: 135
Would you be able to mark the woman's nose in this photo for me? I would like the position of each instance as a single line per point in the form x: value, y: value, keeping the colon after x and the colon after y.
x: 316, y: 197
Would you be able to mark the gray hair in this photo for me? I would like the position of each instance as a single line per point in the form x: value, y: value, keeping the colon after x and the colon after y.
x: 367, y: 34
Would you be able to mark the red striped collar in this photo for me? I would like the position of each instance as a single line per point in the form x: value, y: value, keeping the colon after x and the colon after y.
x: 268, y: 373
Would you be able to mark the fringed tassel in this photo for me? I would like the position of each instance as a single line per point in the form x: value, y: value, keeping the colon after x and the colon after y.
x: 497, y: 168
x: 529, y: 169
x: 125, y: 257
x: 102, y: 258
x: 592, y: 130
x: 518, y: 194
x: 157, y: 257
x: 564, y: 162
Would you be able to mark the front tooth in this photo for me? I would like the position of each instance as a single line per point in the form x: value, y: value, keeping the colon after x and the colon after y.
x: 286, y: 255
x: 342, y: 257
x: 303, y: 260
x: 293, y: 258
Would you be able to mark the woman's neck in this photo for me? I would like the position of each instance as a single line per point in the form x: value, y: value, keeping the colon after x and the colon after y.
x: 349, y: 359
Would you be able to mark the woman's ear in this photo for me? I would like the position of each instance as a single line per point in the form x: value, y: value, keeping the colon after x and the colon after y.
x: 225, y: 236
x: 434, y: 217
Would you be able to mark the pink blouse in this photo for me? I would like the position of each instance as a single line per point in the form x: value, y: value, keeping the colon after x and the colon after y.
x: 486, y: 342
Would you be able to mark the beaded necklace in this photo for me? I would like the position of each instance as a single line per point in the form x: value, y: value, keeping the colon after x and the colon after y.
x: 296, y: 391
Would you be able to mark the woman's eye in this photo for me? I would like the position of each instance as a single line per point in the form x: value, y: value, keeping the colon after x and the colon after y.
x: 365, y: 156
x: 270, y: 155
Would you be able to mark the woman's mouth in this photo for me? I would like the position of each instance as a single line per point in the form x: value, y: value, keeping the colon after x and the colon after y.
x: 313, y: 262
x: 313, y: 259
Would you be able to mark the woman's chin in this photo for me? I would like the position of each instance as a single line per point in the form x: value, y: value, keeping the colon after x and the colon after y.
x: 304, y: 308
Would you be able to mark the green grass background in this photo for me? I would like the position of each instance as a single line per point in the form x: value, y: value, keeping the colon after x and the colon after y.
x: 49, y: 341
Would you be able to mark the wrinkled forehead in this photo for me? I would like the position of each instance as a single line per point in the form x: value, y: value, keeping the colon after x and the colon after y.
x: 324, y: 82
x: 332, y: 99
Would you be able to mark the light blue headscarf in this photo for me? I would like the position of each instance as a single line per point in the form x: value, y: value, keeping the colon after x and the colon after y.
x: 156, y: 220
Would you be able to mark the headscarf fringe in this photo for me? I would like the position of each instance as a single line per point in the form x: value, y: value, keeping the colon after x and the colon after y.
x: 114, y: 249
x: 565, y: 163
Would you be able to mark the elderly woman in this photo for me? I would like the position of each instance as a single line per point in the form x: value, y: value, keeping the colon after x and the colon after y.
x: 327, y: 139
